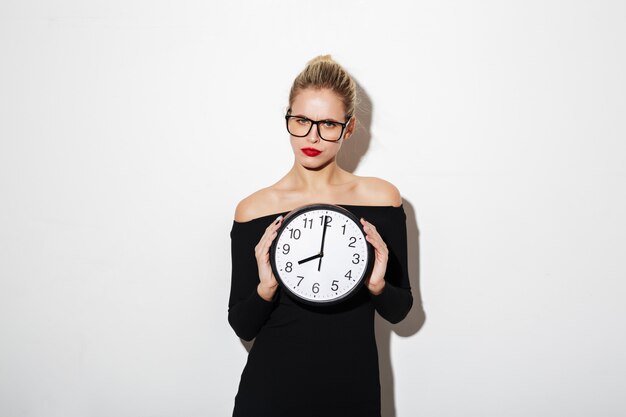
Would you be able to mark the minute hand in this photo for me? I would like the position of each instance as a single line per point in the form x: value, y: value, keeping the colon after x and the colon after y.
x: 319, y: 265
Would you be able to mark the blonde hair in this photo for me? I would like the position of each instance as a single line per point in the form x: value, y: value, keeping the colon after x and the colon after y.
x: 323, y: 72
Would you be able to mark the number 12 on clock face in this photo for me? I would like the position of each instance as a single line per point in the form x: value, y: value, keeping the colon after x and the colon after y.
x: 320, y: 255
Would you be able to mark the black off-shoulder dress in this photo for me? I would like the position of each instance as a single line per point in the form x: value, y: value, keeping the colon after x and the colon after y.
x: 314, y: 361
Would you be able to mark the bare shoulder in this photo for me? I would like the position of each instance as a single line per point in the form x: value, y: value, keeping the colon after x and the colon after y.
x: 256, y: 205
x: 379, y: 192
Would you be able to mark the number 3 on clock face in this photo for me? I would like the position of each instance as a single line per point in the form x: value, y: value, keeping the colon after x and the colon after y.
x: 320, y: 255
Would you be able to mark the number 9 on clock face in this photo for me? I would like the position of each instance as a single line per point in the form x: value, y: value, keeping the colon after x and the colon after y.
x: 320, y: 255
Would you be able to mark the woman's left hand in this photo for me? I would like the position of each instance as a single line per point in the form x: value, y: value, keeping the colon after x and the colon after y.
x: 376, y: 282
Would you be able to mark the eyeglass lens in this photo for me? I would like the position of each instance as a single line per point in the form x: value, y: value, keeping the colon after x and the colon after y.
x: 328, y: 130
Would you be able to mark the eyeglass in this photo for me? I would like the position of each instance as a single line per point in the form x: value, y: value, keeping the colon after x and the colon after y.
x: 328, y: 130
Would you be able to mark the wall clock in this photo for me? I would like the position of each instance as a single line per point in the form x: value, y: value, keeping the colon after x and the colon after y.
x: 320, y: 255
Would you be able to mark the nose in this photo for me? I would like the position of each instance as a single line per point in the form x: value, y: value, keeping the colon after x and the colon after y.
x: 314, y: 134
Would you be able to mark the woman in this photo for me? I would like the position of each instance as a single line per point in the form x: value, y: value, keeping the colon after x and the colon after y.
x: 309, y: 361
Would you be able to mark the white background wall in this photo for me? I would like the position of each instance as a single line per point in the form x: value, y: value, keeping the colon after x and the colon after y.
x: 129, y: 130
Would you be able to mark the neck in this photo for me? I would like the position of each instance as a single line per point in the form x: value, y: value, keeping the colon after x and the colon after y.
x: 316, y: 179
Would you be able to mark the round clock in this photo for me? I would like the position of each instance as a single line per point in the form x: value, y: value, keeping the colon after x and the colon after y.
x: 320, y: 255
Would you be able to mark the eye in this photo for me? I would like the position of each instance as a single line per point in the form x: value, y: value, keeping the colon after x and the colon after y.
x: 302, y: 120
x: 330, y: 125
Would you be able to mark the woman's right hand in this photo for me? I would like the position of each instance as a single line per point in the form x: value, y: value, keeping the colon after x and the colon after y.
x: 268, y: 285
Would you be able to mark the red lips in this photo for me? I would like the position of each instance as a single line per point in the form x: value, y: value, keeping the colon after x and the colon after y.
x: 310, y: 151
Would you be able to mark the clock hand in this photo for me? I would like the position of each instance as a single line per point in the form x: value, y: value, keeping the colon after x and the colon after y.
x: 310, y: 258
x: 319, y: 265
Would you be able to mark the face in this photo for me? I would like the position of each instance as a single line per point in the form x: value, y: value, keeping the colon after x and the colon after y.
x: 311, y: 151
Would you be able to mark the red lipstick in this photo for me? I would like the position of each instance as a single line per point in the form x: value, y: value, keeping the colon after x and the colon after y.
x: 310, y: 151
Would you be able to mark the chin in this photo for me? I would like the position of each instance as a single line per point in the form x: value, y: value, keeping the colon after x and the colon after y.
x: 316, y: 165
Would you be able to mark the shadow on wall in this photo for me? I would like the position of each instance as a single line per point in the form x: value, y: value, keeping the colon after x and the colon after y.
x: 412, y: 323
x: 356, y: 146
x: 352, y: 151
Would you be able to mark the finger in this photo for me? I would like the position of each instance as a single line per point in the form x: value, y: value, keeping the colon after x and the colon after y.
x: 370, y: 230
x: 276, y: 223
x: 273, y: 227
x: 379, y: 245
x: 373, y: 237
x: 270, y: 234
x: 368, y: 227
x: 366, y: 223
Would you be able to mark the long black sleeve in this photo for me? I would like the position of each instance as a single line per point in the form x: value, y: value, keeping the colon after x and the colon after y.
x: 247, y: 311
x: 396, y: 300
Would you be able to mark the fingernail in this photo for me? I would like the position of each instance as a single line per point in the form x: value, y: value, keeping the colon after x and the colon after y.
x: 279, y: 218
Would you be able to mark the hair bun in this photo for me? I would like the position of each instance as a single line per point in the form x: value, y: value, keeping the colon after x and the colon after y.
x: 324, y: 72
x: 321, y: 58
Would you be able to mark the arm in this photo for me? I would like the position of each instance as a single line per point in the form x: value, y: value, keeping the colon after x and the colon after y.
x: 392, y: 296
x: 247, y: 310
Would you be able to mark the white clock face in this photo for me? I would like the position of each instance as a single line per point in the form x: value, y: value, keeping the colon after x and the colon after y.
x: 320, y: 254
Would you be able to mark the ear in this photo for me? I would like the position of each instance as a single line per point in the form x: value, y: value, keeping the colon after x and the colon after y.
x: 350, y: 128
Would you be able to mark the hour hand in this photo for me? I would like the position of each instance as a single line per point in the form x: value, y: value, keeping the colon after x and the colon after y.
x: 310, y: 258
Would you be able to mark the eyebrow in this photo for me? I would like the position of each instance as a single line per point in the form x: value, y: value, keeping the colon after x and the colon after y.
x: 330, y: 119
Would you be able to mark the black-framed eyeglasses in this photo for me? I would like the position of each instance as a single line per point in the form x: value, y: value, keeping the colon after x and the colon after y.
x: 328, y: 130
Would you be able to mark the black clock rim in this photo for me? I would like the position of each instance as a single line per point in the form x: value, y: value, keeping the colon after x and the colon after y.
x: 321, y: 206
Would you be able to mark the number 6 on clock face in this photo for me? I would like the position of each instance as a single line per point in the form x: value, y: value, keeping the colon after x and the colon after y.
x: 320, y: 255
